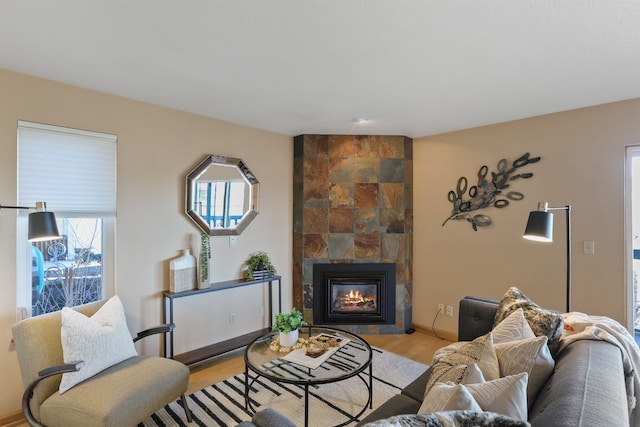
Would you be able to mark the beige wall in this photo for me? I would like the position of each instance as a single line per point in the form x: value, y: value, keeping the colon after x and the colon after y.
x: 157, y: 147
x: 582, y: 165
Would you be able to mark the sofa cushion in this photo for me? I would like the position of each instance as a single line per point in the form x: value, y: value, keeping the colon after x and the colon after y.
x: 398, y: 404
x: 543, y: 322
x: 448, y: 397
x: 531, y: 356
x: 99, y: 341
x: 587, y: 388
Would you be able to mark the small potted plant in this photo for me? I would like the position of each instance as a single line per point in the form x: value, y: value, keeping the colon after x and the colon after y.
x: 287, y: 324
x: 259, y: 266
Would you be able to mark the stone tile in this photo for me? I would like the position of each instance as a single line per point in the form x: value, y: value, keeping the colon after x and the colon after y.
x: 368, y: 146
x: 392, y: 220
x: 392, y: 247
x: 341, y: 195
x: 366, y: 195
x: 367, y: 220
x: 392, y: 195
x: 342, y: 146
x: 341, y: 246
x: 316, y: 220
x: 408, y: 196
x: 391, y: 170
x: 316, y: 145
x: 341, y: 220
x: 341, y: 170
x: 367, y: 246
x: 316, y: 195
x: 316, y: 245
x: 315, y: 170
x: 408, y: 172
x: 392, y: 147
x: 367, y: 169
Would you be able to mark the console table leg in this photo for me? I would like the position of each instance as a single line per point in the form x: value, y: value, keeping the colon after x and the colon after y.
x: 306, y: 405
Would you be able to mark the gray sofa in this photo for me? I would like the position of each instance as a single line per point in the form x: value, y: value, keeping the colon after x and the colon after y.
x: 586, y: 388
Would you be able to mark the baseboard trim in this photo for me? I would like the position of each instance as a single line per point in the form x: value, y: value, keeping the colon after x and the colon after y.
x: 450, y: 336
x: 11, y: 419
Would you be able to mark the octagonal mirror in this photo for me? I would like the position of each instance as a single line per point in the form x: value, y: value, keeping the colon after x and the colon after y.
x: 222, y: 195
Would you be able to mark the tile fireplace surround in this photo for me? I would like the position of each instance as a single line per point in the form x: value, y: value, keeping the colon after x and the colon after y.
x: 353, y: 203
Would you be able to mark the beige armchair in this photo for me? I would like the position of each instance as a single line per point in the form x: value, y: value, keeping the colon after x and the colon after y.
x: 121, y: 395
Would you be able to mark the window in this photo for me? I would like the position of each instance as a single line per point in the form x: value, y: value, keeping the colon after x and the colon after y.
x: 73, y: 171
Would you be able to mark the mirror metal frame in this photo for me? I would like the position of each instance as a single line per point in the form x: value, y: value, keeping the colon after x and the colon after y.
x: 250, y: 179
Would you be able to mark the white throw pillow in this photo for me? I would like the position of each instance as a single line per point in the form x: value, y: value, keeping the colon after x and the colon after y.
x: 448, y: 397
x: 100, y: 341
x: 514, y: 328
x: 507, y: 396
x: 531, y: 356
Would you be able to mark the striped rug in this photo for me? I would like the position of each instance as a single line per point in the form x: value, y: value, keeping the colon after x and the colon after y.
x: 222, y: 404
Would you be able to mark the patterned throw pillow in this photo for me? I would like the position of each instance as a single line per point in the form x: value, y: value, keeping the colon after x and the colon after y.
x: 514, y: 328
x: 99, y: 341
x: 531, y: 356
x: 458, y: 364
x: 543, y: 322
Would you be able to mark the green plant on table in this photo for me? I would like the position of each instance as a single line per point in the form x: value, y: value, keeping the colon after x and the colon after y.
x: 288, y: 322
x: 258, y: 261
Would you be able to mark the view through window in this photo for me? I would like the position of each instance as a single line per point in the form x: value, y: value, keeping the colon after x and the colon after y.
x: 74, y: 171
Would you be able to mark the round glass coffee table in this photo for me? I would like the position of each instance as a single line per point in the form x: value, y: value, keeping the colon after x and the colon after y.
x: 350, y: 358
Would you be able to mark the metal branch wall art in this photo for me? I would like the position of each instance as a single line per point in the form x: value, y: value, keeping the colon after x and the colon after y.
x: 488, y: 192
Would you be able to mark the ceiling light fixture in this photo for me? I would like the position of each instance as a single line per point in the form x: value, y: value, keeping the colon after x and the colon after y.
x: 360, y: 120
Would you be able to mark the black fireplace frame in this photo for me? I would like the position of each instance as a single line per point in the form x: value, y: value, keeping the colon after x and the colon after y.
x: 382, y: 273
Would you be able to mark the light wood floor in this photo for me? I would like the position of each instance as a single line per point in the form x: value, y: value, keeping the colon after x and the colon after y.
x: 418, y: 346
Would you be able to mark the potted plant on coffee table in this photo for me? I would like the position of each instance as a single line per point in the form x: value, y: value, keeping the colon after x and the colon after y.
x: 287, y: 324
x: 259, y: 266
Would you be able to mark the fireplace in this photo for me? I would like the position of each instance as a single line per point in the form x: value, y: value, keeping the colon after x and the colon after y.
x: 350, y: 294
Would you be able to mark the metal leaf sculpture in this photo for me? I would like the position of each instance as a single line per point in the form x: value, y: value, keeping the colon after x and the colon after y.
x: 488, y: 193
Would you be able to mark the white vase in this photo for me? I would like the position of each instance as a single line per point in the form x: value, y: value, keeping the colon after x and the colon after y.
x: 182, y: 272
x: 288, y: 339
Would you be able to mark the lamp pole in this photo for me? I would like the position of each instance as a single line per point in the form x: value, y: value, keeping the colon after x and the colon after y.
x: 540, y: 228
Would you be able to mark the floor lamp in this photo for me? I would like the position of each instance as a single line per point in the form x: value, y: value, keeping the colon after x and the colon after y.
x: 42, y: 224
x: 540, y: 228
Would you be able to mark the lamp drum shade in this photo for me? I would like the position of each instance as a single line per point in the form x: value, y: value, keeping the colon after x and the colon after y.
x: 539, y: 227
x: 42, y: 226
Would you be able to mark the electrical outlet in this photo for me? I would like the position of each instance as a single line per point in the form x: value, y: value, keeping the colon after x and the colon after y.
x: 450, y: 311
x: 441, y: 308
x: 232, y: 318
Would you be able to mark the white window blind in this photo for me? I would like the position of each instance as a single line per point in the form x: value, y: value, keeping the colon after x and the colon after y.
x: 74, y: 171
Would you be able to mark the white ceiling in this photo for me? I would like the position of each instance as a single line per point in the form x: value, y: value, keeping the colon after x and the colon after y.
x: 413, y: 67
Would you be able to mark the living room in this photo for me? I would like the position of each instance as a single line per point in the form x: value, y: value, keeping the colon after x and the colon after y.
x: 582, y: 163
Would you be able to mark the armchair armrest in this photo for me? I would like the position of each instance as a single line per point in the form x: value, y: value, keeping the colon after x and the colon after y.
x: 45, y: 373
x: 161, y: 329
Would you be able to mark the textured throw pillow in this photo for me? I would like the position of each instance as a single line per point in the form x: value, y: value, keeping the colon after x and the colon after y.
x: 506, y: 396
x: 531, y: 356
x: 514, y: 328
x: 99, y: 341
x: 458, y: 364
x: 448, y: 397
x: 450, y: 418
x: 543, y: 322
